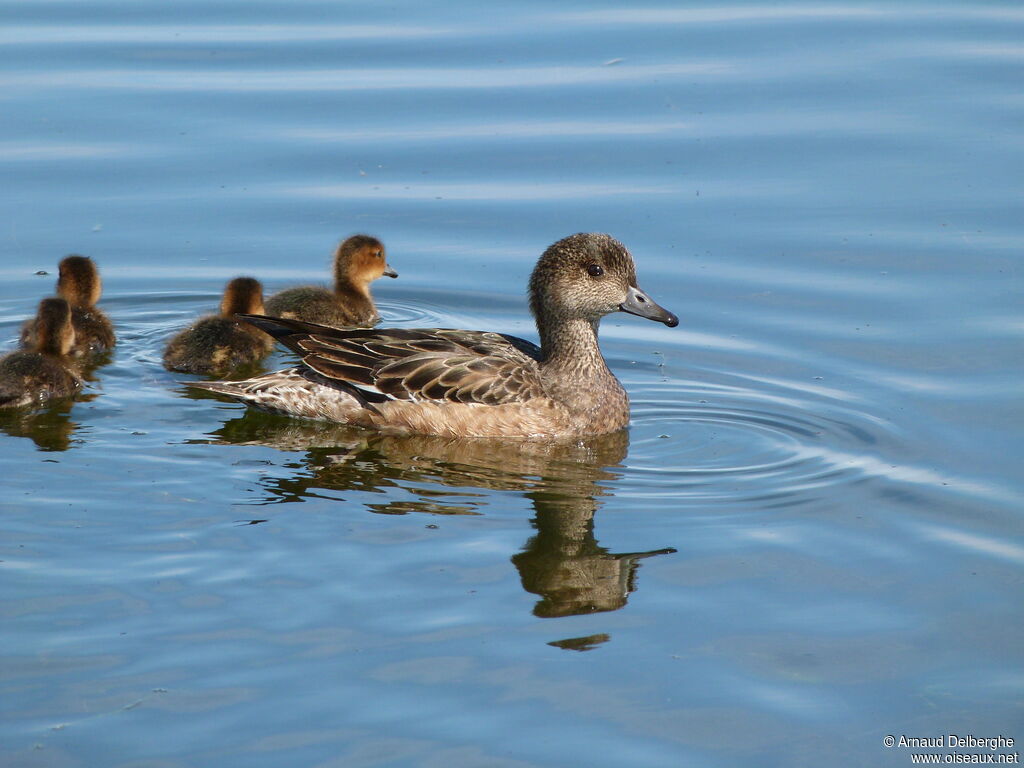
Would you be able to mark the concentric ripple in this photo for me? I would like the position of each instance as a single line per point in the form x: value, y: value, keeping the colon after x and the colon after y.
x: 413, y: 313
x: 748, y: 446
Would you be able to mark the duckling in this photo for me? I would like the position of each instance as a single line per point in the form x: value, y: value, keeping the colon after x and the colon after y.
x: 218, y: 343
x: 80, y: 285
x: 470, y: 383
x: 31, y: 376
x: 358, y: 261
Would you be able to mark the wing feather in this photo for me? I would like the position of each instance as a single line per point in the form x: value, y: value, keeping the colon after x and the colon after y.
x: 413, y: 363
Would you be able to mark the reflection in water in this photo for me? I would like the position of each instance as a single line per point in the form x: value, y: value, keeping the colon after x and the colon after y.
x: 50, y: 426
x: 566, y: 566
x: 587, y: 643
x: 563, y: 563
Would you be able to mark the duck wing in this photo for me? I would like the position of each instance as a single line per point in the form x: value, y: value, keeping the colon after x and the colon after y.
x: 415, y: 364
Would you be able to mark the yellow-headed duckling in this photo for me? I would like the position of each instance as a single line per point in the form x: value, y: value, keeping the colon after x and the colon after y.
x: 45, y: 370
x: 79, y: 284
x: 219, y: 343
x: 470, y: 383
x: 358, y: 261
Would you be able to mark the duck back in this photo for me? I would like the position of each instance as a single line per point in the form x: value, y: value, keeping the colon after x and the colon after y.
x: 314, y: 304
x: 215, y: 345
x: 94, y: 333
x: 31, y: 378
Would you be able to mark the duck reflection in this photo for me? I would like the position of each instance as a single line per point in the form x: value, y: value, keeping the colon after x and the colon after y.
x: 566, y: 566
x: 50, y: 426
x: 563, y: 563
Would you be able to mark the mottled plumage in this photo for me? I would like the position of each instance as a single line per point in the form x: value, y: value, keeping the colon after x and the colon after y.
x: 32, y: 376
x: 79, y: 284
x: 470, y: 383
x: 358, y: 261
x: 220, y: 343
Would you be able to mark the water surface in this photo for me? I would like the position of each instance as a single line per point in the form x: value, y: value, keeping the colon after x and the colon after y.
x: 810, y: 538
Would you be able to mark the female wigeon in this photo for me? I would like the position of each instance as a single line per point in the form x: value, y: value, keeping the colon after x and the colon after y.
x: 358, y: 261
x: 32, y: 376
x: 79, y: 284
x: 219, y: 343
x: 470, y: 383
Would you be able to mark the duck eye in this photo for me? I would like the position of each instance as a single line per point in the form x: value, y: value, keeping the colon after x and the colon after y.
x: 595, y: 270
x: 380, y: 254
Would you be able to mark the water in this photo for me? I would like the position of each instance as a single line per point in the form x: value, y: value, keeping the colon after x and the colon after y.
x: 810, y: 537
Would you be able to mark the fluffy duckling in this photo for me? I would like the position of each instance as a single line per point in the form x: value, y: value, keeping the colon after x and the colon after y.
x: 470, y: 383
x: 218, y: 343
x: 31, y: 376
x: 358, y: 261
x: 79, y: 284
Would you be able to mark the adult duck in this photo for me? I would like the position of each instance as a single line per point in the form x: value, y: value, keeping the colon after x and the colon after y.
x: 358, y: 261
x: 470, y: 383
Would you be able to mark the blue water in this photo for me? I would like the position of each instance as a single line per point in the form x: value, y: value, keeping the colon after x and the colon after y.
x: 811, y: 536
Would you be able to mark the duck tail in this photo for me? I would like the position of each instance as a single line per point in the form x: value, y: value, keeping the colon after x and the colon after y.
x: 220, y: 387
x: 282, y: 327
x: 240, y: 391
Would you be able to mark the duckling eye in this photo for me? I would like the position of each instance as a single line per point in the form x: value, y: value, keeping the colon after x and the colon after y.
x: 379, y: 254
x: 595, y: 270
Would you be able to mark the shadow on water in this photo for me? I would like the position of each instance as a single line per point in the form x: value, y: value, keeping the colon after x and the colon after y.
x: 566, y: 483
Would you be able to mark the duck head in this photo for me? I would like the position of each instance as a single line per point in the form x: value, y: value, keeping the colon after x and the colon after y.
x: 590, y: 275
x: 55, y: 333
x: 79, y: 281
x: 243, y: 295
x: 360, y: 260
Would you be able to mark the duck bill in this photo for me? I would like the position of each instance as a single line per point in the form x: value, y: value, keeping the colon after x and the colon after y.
x: 389, y: 272
x: 639, y: 303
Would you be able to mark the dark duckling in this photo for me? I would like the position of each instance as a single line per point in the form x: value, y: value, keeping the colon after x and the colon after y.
x: 219, y: 343
x: 32, y: 376
x: 358, y: 261
x: 79, y: 284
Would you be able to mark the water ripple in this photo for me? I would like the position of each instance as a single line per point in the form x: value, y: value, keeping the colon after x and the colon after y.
x: 24, y: 151
x: 196, y: 80
x: 477, y: 190
x: 488, y: 131
x: 749, y: 13
x: 780, y: 13
x: 416, y: 313
x: 732, y: 453
x: 758, y: 450
x: 183, y: 34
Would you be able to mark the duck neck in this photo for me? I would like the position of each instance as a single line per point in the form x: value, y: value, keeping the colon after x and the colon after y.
x: 55, y: 339
x: 50, y: 345
x: 355, y: 295
x: 570, y: 348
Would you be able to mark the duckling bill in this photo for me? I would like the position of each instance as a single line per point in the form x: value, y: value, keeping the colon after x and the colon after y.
x: 470, y: 383
x: 45, y: 370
